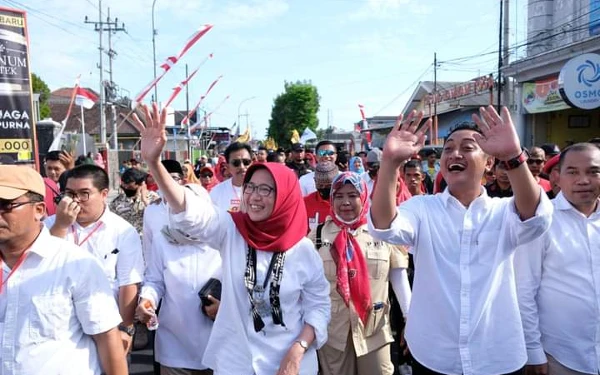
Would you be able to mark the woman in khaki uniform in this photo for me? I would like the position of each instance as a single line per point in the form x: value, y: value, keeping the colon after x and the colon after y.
x: 359, y: 270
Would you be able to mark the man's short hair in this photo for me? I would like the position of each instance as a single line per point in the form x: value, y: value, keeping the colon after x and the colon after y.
x: 428, y: 152
x: 413, y: 164
x: 325, y: 142
x: 34, y: 197
x: 98, y: 175
x: 237, y: 146
x: 363, y: 153
x: 133, y: 175
x: 577, y: 147
x: 262, y: 148
x: 52, y: 155
x: 465, y: 125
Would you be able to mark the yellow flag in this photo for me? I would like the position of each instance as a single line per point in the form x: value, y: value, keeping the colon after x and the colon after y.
x: 245, y: 137
x: 295, y: 137
x: 270, y: 144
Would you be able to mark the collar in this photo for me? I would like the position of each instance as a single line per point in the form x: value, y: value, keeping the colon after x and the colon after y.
x: 334, y: 229
x: 445, y: 196
x: 40, y: 245
x: 561, y: 203
x: 104, y: 218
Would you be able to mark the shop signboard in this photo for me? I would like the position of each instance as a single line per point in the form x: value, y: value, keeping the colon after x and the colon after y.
x: 594, y: 17
x: 542, y: 96
x: 579, y: 81
x: 17, y: 128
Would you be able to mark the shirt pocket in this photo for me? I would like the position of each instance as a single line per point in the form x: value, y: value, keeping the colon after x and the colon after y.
x: 486, y: 247
x: 50, y: 317
x: 377, y: 318
x: 378, y: 263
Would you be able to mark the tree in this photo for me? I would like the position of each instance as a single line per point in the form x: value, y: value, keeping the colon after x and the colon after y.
x: 40, y: 87
x: 294, y: 109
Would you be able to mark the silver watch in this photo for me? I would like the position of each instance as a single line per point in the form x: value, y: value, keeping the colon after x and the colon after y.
x: 303, y: 344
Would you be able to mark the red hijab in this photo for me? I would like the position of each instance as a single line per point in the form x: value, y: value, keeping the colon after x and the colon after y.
x: 220, y: 163
x: 346, y: 251
x: 213, y: 180
x: 288, y: 222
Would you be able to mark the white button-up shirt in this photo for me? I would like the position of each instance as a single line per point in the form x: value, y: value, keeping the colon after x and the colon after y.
x: 307, y: 184
x: 50, y: 307
x: 115, y: 243
x: 176, y: 273
x: 226, y: 196
x: 558, y: 284
x: 464, y: 316
x: 370, y: 182
x: 234, y: 347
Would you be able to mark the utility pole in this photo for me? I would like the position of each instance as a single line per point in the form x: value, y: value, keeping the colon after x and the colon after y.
x: 187, y: 110
x: 99, y: 26
x: 435, y: 118
x: 506, y: 52
x: 113, y: 28
x: 500, y: 56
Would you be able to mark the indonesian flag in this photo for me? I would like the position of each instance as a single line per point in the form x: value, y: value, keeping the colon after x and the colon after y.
x: 168, y: 64
x: 179, y: 88
x: 186, y: 119
x: 199, y: 123
x: 361, y: 108
x: 84, y: 98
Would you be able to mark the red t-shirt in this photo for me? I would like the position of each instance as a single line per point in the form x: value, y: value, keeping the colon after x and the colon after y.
x: 545, y: 184
x: 315, y: 204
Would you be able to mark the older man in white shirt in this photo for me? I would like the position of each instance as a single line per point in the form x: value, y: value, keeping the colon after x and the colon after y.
x: 464, y: 316
x: 558, y: 275
x: 57, y: 313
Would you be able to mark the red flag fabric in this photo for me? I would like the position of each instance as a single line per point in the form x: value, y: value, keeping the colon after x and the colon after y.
x: 186, y: 119
x: 85, y: 98
x: 361, y: 108
x: 205, y: 120
x: 179, y: 88
x: 72, y: 98
x: 172, y: 60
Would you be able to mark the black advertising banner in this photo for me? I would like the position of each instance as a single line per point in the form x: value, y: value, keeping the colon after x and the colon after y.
x: 17, y: 127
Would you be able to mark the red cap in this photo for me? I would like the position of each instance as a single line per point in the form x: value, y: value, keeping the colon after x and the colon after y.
x: 551, y: 163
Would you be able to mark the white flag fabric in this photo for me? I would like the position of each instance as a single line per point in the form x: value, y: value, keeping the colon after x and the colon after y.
x: 307, y: 135
x: 85, y: 98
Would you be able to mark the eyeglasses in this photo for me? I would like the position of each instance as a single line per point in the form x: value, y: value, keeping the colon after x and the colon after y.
x: 206, y: 175
x: 262, y: 189
x: 238, y: 162
x: 83, y: 196
x: 325, y: 153
x: 535, y: 161
x: 8, y: 206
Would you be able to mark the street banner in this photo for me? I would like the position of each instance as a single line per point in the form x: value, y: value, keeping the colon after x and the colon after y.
x: 542, y: 96
x: 18, y: 142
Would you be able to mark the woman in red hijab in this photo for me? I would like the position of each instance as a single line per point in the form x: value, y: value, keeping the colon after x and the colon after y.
x: 361, y: 269
x: 207, y: 178
x: 275, y: 305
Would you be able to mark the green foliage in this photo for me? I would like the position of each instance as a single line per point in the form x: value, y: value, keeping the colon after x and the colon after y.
x: 295, y: 108
x: 40, y: 87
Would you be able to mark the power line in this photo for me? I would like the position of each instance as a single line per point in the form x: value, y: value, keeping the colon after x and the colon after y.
x: 404, y: 91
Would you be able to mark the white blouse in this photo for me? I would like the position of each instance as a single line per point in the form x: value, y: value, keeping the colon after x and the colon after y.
x: 234, y: 347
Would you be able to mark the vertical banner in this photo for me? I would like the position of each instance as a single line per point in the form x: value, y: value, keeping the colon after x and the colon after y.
x: 594, y: 17
x: 17, y: 125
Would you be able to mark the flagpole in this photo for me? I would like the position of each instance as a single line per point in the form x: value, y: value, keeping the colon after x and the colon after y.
x: 83, y: 131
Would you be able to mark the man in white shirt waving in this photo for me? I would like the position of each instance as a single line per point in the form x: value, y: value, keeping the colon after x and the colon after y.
x: 464, y: 316
x: 83, y: 218
x: 228, y: 194
x: 57, y: 312
x: 558, y: 275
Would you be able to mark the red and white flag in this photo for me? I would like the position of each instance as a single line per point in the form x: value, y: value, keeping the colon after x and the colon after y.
x: 85, y: 98
x: 361, y: 108
x: 186, y: 119
x: 170, y: 62
x: 365, y: 124
x: 74, y: 92
x: 205, y: 120
x: 180, y: 87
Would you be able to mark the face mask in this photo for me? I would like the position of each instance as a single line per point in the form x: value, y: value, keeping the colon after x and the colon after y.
x: 324, y: 193
x: 129, y: 192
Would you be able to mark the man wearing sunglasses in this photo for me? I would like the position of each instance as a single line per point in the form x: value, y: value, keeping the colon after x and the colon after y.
x: 325, y: 152
x: 57, y: 312
x: 536, y: 161
x: 227, y: 195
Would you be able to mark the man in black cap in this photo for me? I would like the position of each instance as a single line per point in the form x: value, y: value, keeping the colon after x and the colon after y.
x: 298, y: 163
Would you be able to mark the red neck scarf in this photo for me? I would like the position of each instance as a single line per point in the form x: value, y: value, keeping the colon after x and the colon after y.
x: 221, y: 163
x: 402, y: 192
x: 352, y: 271
x: 288, y: 222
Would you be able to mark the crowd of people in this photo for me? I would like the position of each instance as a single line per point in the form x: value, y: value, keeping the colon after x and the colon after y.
x: 481, y: 258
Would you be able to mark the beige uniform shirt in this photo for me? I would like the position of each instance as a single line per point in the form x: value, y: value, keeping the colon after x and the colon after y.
x: 381, y: 257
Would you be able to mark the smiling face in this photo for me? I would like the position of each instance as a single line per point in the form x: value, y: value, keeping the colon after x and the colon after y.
x: 326, y: 153
x: 259, y: 195
x: 580, y: 178
x: 463, y: 162
x: 346, y: 203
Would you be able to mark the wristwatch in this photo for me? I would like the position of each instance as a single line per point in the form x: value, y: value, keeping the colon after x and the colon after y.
x: 128, y: 330
x: 516, y: 162
x: 303, y: 344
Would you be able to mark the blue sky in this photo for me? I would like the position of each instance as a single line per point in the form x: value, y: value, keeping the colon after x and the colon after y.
x: 355, y: 51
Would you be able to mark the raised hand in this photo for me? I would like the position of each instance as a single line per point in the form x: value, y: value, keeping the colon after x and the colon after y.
x: 153, y: 134
x: 406, y: 138
x: 499, y: 135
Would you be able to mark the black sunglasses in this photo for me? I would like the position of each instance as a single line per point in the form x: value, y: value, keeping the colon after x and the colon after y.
x: 206, y: 175
x: 238, y: 162
x: 535, y: 161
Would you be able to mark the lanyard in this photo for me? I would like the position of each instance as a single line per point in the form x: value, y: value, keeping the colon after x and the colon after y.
x: 13, y: 269
x: 76, y: 236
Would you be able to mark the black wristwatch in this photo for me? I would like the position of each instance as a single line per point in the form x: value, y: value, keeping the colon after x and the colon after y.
x: 515, y: 162
x: 128, y: 330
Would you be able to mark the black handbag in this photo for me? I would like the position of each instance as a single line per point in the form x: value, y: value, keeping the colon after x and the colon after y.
x: 212, y: 288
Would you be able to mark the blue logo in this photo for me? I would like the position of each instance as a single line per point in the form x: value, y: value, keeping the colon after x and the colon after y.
x: 594, y: 70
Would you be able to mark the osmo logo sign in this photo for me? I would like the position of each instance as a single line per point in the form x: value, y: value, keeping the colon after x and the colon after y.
x: 579, y: 81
